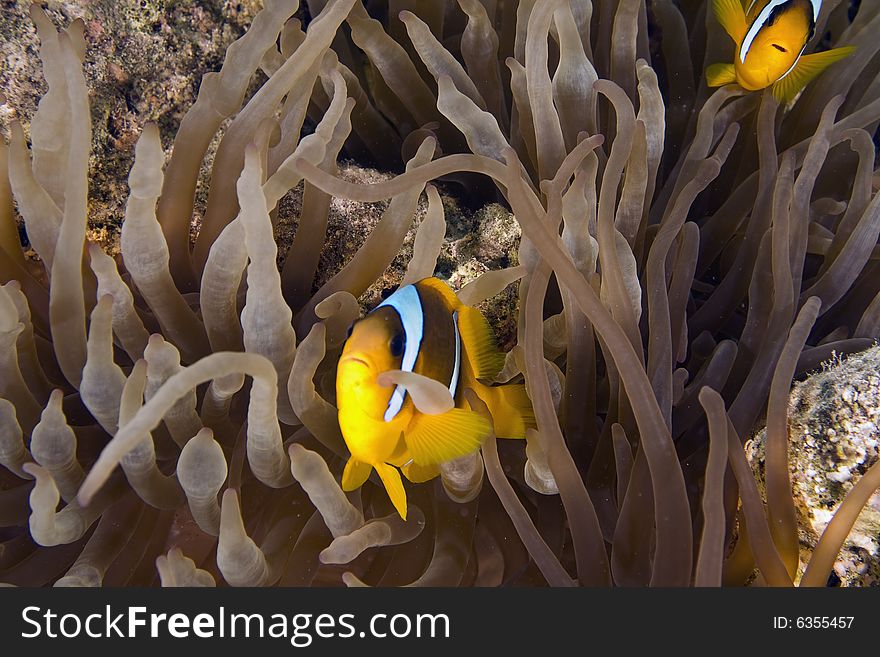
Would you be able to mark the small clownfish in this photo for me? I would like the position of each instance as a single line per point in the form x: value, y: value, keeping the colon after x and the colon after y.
x: 770, y: 37
x: 423, y: 329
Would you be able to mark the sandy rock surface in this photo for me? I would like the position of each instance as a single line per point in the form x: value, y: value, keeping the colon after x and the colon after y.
x: 144, y: 62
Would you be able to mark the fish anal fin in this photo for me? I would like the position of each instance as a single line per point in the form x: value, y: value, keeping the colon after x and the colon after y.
x: 419, y: 474
x: 717, y: 75
x: 435, y: 439
x: 732, y: 16
x: 394, y: 485
x: 807, y: 68
x: 479, y: 343
x: 355, y: 474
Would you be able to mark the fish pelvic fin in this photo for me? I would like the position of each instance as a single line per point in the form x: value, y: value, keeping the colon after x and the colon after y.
x: 717, y: 75
x: 807, y: 68
x: 355, y: 474
x: 479, y: 343
x: 435, y: 439
x: 394, y: 485
x: 732, y: 16
x: 419, y: 474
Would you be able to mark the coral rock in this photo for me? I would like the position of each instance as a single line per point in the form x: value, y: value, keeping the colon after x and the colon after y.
x: 834, y: 438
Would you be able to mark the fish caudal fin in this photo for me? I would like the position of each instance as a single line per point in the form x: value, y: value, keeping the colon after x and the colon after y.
x: 418, y: 474
x: 436, y: 439
x: 807, y: 68
x: 355, y: 474
x: 479, y: 343
x: 717, y: 75
x: 511, y: 410
x: 732, y: 16
x: 394, y: 485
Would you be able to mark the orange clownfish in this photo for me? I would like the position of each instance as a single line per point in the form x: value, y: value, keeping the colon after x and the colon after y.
x: 421, y: 334
x: 770, y: 37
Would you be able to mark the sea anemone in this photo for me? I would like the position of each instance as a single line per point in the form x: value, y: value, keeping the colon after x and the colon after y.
x: 685, y: 255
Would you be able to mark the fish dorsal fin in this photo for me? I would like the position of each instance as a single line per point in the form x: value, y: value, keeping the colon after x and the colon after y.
x: 394, y: 485
x: 355, y: 474
x: 807, y: 68
x: 435, y: 439
x: 732, y: 16
x: 479, y: 343
x: 717, y: 75
x: 449, y: 296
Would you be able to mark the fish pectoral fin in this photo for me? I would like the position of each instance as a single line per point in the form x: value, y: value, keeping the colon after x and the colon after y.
x: 807, y: 68
x: 419, y: 474
x: 436, y: 439
x: 732, y: 16
x: 479, y: 343
x: 717, y: 75
x: 394, y: 485
x: 355, y: 474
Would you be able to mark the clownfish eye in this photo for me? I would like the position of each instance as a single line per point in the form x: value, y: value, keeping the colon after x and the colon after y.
x: 396, y: 345
x: 778, y: 47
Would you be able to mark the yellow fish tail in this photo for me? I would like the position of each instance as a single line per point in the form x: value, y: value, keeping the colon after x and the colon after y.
x: 394, y: 485
x: 717, y: 75
x: 808, y: 67
x: 419, y: 474
x: 511, y: 410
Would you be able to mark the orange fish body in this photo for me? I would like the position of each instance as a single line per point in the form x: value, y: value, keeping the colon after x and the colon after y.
x: 771, y: 37
x: 423, y: 329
